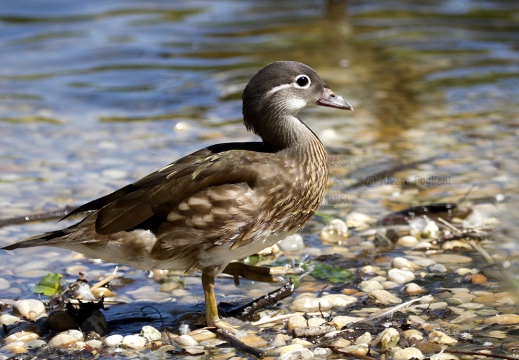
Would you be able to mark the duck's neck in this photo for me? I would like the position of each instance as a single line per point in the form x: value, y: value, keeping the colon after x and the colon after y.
x: 284, y: 132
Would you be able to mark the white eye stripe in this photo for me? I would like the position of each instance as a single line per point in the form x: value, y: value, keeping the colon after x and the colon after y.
x: 279, y: 87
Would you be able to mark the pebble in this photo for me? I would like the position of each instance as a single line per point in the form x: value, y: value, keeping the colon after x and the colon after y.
x: 357, y: 349
x: 403, y: 264
x: 35, y: 344
x: 437, y: 269
x: 150, y: 333
x: 478, y: 278
x: 8, y: 320
x: 400, y: 276
x: 320, y: 352
x: 296, y: 321
x: 64, y: 340
x: 335, y: 232
x: 95, y: 344
x: 15, y: 347
x: 278, y: 341
x: 506, y: 319
x: 21, y: 336
x: 61, y: 320
x: 135, y: 342
x: 29, y: 309
x: 370, y: 269
x: 113, y: 340
x: 316, y: 321
x: 384, y: 297
x: 408, y: 353
x: 413, y: 335
x: 341, y: 321
x: 97, y: 323
x: 388, y: 338
x: 186, y: 340
x: 370, y: 285
x: 465, y: 271
x: 441, y: 338
x: 311, y: 303
x: 202, y: 335
x: 451, y: 259
x: 429, y: 348
x: 364, y: 338
x: 407, y: 241
x: 413, y: 289
x: 359, y: 221
x: 253, y: 340
x: 295, y: 351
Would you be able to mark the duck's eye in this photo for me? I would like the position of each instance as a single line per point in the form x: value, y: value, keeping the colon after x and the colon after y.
x: 302, y: 81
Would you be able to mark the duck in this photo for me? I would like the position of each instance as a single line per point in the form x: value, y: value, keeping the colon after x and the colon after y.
x: 221, y: 203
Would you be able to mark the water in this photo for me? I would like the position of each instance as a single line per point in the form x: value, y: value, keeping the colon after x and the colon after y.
x: 94, y: 95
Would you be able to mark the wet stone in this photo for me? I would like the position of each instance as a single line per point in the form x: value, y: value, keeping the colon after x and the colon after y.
x: 94, y: 344
x: 150, y: 333
x: 202, y: 334
x: 279, y: 340
x: 384, y: 297
x: 186, y: 340
x: 63, y: 340
x: 408, y: 353
x: 400, y: 276
x: 61, y: 321
x: 113, y: 340
x: 506, y: 319
x: 407, y: 241
x: 135, y: 342
x: 96, y: 322
x: 35, y: 344
x: 29, y: 309
x: 413, y: 289
x: 388, y: 339
x: 296, y: 321
x: 451, y: 259
x: 403, y: 264
x: 7, y: 320
x: 295, y: 351
x: 254, y: 341
x: 316, y: 321
x: 15, y: 347
x: 21, y: 336
x: 441, y: 338
x: 364, y: 338
x: 370, y: 285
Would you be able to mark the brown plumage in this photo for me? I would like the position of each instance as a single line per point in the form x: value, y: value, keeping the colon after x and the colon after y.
x: 221, y: 203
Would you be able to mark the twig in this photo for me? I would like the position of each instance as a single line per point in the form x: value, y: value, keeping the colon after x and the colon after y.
x: 475, y: 353
x: 267, y: 320
x: 106, y: 280
x: 234, y: 341
x: 161, y: 320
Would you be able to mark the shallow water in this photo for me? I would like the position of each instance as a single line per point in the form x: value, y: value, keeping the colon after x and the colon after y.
x: 96, y: 95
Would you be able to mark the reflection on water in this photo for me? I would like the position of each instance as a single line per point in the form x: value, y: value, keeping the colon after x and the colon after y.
x: 94, y: 95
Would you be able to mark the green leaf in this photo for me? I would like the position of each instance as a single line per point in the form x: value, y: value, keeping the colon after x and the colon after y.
x: 50, y: 285
x: 331, y: 273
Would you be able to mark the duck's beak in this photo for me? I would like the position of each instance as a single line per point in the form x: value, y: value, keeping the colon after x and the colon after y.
x: 328, y: 98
